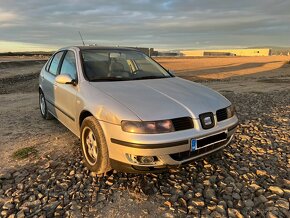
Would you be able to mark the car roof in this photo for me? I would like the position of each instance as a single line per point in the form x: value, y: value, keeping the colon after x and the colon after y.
x: 94, y: 47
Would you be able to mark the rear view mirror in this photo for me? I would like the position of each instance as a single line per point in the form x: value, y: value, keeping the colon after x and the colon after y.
x: 64, y: 79
x: 115, y: 55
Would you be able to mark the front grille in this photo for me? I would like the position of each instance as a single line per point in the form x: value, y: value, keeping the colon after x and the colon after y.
x: 190, y: 154
x: 221, y: 114
x: 182, y: 123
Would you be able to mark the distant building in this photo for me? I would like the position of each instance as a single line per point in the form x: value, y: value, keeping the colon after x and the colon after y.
x: 147, y: 51
x: 228, y: 52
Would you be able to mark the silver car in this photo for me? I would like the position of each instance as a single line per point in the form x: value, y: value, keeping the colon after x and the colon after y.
x: 129, y: 112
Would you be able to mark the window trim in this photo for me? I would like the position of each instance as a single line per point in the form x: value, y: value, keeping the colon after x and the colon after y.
x: 48, y: 63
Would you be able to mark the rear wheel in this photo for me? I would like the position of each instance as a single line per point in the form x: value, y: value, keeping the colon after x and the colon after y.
x: 43, y: 108
x: 94, y: 146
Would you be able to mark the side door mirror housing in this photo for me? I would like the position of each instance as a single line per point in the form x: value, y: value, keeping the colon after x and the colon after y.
x: 65, y: 79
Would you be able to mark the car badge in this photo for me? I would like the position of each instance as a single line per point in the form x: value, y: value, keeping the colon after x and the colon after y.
x: 207, y: 121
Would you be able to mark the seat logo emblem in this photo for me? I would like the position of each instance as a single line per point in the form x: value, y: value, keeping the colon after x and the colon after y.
x: 207, y: 121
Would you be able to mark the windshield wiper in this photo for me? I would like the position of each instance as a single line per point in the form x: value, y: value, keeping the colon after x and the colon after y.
x: 150, y: 77
x: 109, y: 79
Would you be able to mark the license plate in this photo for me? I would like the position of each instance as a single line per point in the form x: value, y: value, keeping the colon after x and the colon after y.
x: 193, y: 144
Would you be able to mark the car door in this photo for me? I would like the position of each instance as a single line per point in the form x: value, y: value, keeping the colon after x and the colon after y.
x: 48, y: 80
x: 65, y: 94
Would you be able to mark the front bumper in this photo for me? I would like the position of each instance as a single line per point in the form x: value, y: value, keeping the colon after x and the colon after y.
x: 171, y: 149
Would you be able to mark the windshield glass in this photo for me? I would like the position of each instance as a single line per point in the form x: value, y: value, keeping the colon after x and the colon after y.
x: 116, y: 65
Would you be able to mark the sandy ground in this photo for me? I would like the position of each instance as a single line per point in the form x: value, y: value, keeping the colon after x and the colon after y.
x: 238, y: 74
x: 22, y: 125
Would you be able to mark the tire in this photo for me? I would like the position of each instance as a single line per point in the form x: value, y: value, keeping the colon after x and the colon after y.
x: 43, y: 107
x: 94, y: 146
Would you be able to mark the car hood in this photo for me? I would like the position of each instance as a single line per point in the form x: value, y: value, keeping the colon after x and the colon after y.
x: 158, y: 99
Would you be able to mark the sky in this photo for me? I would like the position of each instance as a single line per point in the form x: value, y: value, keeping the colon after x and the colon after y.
x: 27, y: 25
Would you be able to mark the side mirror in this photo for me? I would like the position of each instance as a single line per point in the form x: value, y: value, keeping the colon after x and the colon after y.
x: 171, y: 72
x: 64, y: 79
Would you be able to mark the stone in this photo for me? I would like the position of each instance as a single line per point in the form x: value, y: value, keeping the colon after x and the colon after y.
x: 79, y: 176
x: 260, y: 200
x: 185, y: 187
x: 282, y: 203
x: 249, y: 203
x: 8, y: 206
x: 286, y: 193
x: 244, y: 137
x: 221, y: 209
x: 168, y: 203
x: 168, y: 215
x: 72, y: 172
x: 276, y: 190
x: 271, y: 215
x: 20, y: 214
x: 5, y: 176
x: 261, y: 172
x: 209, y: 193
x: 255, y: 187
x: 20, y: 186
x: 197, y: 202
x: 228, y: 190
x: 216, y: 214
x: 4, y: 213
x: 109, y: 183
x: 236, y: 196
x: 182, y: 202
x: 234, y: 213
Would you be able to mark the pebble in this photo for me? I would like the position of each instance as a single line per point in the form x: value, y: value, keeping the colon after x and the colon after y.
x: 209, y: 193
x: 282, y: 203
x: 234, y: 213
x: 197, y: 202
x: 249, y: 203
x: 277, y: 190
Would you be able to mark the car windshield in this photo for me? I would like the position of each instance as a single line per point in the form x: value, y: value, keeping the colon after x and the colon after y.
x: 119, y: 65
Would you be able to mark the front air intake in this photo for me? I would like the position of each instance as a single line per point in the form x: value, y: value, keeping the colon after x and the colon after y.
x: 182, y: 123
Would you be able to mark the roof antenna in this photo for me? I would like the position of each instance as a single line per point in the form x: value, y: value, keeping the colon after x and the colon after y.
x: 82, y: 38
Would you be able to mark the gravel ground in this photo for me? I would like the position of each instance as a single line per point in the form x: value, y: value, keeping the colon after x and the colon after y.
x: 250, y: 178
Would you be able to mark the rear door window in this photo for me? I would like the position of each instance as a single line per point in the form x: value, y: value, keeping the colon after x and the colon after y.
x: 55, y: 63
x: 48, y: 64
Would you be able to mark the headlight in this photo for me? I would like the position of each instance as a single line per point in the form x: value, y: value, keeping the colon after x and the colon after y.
x: 150, y: 127
x: 231, y: 111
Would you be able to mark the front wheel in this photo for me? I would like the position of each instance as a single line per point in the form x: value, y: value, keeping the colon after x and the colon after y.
x: 94, y: 146
x: 43, y: 107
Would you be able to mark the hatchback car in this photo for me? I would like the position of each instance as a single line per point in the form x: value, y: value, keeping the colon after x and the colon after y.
x: 129, y: 112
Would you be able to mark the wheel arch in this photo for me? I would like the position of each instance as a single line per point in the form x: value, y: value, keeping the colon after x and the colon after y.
x: 83, y: 115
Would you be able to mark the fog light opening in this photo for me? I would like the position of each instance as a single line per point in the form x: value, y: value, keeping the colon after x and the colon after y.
x: 144, y: 160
